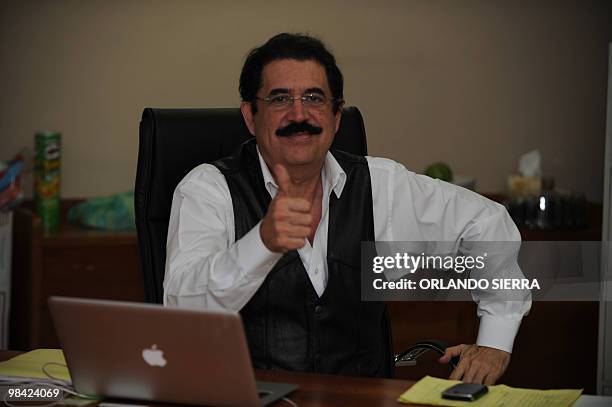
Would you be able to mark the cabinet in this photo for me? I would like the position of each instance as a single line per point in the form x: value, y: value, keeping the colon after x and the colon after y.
x: 74, y: 261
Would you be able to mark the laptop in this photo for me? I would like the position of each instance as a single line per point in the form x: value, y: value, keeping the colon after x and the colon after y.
x: 149, y: 352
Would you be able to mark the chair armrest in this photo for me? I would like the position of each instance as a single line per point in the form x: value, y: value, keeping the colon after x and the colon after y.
x: 409, y: 356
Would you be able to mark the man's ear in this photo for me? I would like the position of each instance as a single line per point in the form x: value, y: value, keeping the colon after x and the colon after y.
x: 339, y: 115
x: 247, y: 114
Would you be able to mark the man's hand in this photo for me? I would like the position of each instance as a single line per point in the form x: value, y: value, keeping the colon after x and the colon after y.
x: 287, y: 222
x: 477, y: 364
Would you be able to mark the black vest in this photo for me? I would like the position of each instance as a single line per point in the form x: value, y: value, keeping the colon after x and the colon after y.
x: 286, y: 323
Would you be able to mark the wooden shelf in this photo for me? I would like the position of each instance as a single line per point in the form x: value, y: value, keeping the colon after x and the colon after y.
x: 73, y: 261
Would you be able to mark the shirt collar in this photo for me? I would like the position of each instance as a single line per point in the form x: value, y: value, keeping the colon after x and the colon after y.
x: 333, y: 176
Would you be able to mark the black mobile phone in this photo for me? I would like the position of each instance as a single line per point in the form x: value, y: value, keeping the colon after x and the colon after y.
x: 465, y: 392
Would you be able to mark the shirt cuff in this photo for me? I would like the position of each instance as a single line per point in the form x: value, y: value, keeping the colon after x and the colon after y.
x: 497, y: 332
x: 252, y: 254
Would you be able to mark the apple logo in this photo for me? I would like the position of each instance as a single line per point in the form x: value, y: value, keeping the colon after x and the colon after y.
x: 154, y: 356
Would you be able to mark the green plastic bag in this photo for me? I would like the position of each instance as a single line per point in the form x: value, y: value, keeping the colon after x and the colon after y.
x: 115, y: 212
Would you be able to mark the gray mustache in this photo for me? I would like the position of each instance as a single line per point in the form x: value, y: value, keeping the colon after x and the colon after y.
x: 298, y: 127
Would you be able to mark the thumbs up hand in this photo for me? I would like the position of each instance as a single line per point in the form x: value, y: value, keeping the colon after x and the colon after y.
x: 287, y: 222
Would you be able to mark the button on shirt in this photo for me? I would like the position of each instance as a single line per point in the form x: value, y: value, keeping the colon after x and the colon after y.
x: 207, y: 268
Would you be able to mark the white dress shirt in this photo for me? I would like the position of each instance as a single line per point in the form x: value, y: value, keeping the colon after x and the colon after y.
x: 207, y: 268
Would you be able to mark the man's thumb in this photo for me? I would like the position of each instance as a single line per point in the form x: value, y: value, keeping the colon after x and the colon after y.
x: 445, y: 358
x: 450, y: 353
x: 282, y: 179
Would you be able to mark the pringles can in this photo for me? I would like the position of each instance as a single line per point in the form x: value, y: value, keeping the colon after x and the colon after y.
x: 47, y: 178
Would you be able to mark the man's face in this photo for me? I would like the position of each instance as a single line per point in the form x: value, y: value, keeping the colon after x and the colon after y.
x: 294, y: 78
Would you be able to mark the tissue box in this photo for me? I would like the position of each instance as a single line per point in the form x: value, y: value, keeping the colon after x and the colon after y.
x: 519, y: 185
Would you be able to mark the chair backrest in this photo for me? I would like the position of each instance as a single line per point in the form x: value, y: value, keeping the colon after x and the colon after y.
x: 172, y: 143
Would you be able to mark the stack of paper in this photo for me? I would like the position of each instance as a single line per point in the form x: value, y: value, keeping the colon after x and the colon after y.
x: 29, y: 365
x: 429, y: 390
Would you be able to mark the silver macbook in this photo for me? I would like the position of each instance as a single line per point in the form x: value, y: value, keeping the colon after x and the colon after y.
x: 148, y: 352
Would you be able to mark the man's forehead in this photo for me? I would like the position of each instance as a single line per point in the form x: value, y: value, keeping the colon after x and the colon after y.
x: 292, y: 74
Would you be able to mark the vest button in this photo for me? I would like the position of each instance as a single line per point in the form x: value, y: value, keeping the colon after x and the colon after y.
x: 318, y: 309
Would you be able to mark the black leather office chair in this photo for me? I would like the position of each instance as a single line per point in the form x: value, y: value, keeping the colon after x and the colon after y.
x: 172, y: 143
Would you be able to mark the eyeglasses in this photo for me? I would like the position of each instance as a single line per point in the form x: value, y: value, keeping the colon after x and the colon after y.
x: 284, y: 100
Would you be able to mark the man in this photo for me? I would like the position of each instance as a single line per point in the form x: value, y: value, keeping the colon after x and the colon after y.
x: 274, y: 231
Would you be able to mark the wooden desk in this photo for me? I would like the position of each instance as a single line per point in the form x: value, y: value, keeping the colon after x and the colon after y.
x: 326, y: 390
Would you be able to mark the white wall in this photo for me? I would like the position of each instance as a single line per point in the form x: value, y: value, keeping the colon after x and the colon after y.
x: 473, y: 83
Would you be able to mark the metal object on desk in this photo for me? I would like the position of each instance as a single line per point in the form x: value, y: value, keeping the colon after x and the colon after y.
x: 409, y: 356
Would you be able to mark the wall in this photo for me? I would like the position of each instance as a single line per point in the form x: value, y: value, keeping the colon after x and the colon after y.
x: 472, y: 83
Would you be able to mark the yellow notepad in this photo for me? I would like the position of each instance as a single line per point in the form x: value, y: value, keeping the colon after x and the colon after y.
x: 429, y: 390
x: 30, y: 364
